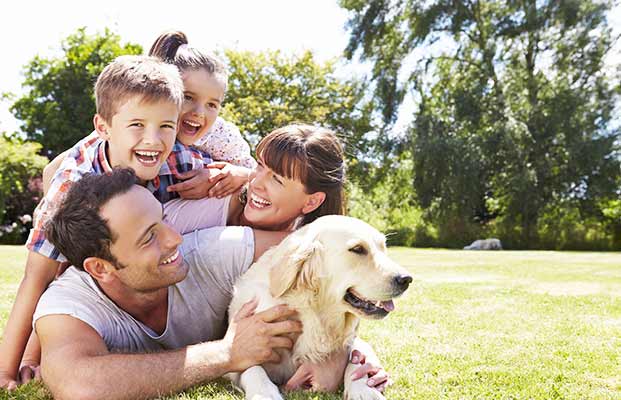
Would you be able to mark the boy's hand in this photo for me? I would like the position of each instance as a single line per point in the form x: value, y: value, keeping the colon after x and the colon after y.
x: 196, y: 184
x: 230, y: 178
x: 7, y: 381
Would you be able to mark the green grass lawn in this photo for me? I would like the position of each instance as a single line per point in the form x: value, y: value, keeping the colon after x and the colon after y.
x: 474, y: 325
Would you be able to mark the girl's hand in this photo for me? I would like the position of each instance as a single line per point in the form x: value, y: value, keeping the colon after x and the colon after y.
x: 231, y: 178
x: 196, y: 183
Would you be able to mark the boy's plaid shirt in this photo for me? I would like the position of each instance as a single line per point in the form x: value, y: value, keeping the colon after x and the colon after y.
x: 89, y: 156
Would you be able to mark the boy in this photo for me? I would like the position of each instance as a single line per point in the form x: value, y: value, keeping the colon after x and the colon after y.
x: 138, y: 102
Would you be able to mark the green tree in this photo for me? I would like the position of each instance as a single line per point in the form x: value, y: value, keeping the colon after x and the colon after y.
x: 20, y: 189
x: 269, y: 90
x: 513, y: 120
x: 58, y: 105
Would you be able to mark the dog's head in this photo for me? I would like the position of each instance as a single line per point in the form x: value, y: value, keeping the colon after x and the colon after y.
x: 342, y: 262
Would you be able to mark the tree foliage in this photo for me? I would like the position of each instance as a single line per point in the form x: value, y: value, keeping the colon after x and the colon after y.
x: 58, y: 106
x: 268, y: 90
x: 20, y: 166
x: 513, y: 121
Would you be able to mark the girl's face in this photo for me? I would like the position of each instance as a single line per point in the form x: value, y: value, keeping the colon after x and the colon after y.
x: 275, y: 202
x: 204, y: 94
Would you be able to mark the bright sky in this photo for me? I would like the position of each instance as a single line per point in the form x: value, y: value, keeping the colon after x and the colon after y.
x: 32, y: 28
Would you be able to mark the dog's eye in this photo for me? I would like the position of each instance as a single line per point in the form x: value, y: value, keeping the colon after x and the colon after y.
x: 358, y: 249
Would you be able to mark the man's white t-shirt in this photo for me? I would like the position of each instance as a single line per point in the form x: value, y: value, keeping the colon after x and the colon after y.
x: 197, y: 306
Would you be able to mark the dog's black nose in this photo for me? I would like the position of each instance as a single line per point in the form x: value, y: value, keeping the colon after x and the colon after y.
x: 402, y: 281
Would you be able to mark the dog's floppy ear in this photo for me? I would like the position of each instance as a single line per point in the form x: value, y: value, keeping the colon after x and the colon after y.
x: 297, y: 264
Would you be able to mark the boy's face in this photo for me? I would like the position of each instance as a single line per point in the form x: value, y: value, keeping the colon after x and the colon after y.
x: 204, y: 93
x: 140, y: 135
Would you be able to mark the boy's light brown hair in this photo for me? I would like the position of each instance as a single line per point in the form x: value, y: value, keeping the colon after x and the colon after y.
x: 127, y: 76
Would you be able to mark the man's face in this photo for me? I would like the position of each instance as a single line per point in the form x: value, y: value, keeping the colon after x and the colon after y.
x: 145, y: 245
x: 141, y: 135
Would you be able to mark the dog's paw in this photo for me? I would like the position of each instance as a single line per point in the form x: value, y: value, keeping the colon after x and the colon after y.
x: 269, y: 392
x: 358, y: 390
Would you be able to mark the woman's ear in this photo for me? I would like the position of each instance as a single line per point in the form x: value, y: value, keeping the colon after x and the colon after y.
x: 101, y: 270
x: 313, y: 202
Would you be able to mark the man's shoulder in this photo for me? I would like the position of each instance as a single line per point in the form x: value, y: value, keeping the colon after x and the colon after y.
x: 72, y: 285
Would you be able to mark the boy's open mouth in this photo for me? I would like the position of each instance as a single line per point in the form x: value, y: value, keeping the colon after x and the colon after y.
x: 147, y: 158
x: 190, y: 127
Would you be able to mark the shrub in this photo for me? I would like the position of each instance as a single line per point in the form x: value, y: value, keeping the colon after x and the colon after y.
x: 20, y: 187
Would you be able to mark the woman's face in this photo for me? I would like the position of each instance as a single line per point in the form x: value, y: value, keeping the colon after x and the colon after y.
x: 204, y: 94
x: 274, y: 201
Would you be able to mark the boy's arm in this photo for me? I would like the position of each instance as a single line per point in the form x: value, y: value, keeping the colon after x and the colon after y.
x: 39, y: 272
x: 76, y: 363
x: 41, y: 267
x: 50, y: 170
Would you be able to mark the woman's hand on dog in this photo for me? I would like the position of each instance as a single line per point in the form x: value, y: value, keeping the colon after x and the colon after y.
x: 377, y: 376
x: 251, y: 338
x: 325, y: 376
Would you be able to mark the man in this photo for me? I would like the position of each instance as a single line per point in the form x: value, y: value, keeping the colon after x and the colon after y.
x: 137, y: 286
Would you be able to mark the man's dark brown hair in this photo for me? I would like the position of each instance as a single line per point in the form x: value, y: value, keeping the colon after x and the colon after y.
x: 77, y: 229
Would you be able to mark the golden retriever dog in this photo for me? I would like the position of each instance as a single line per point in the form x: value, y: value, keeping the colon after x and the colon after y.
x: 333, y: 272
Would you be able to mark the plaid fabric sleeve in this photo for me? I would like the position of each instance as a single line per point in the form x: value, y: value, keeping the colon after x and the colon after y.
x: 37, y: 241
x: 78, y: 162
x: 181, y: 159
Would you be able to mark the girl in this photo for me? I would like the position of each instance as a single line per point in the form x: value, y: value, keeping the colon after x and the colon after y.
x: 205, y: 81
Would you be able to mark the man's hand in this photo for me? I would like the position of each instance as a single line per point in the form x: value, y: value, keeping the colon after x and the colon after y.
x: 377, y: 376
x: 196, y: 183
x: 7, y: 381
x: 230, y: 179
x: 252, y: 338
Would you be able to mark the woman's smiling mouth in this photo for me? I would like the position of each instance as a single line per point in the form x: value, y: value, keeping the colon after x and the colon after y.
x: 259, y: 202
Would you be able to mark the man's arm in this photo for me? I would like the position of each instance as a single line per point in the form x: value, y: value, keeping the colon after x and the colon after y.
x: 77, y: 365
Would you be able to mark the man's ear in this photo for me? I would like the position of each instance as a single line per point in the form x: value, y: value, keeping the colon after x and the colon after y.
x: 313, y: 202
x: 100, y: 269
x: 101, y: 126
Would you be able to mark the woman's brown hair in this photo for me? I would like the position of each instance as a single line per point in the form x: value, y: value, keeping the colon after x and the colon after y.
x: 312, y: 155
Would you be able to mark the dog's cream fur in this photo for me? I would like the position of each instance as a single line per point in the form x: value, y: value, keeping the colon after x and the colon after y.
x: 310, y: 271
